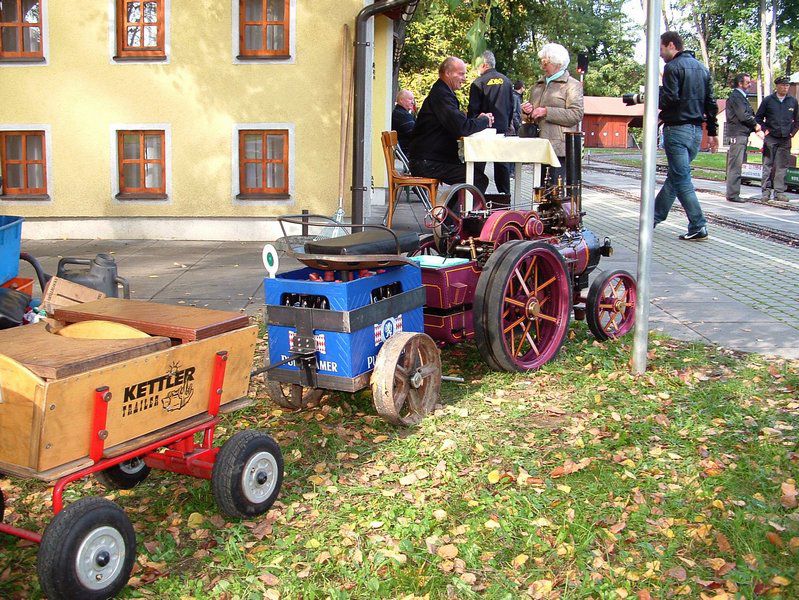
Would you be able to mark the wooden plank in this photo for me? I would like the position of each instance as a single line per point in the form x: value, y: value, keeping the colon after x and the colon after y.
x: 19, y: 391
x: 148, y: 393
x: 185, y: 323
x: 52, y: 356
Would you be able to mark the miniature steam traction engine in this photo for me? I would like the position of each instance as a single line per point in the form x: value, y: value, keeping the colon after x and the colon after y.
x: 509, y: 278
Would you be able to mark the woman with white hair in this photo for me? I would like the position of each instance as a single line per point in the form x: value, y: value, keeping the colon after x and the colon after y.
x: 556, y: 103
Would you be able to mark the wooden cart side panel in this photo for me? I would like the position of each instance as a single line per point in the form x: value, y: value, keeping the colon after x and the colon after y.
x: 21, y: 394
x: 148, y: 393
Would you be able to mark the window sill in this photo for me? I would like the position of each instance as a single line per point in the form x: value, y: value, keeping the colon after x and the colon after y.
x: 263, y: 197
x: 140, y: 196
x: 38, y: 197
x: 143, y: 58
x: 23, y: 59
x: 265, y: 58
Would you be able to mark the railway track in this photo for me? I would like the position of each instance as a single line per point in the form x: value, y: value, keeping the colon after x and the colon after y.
x: 635, y: 173
x: 769, y: 233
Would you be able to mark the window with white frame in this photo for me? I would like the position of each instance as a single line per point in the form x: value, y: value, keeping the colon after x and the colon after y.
x: 23, y: 164
x: 21, y: 30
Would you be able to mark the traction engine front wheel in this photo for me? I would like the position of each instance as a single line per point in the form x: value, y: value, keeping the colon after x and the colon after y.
x: 610, y: 306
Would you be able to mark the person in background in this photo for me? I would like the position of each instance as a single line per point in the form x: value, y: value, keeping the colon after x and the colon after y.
x: 439, y: 125
x: 686, y: 101
x: 778, y: 115
x: 518, y: 99
x: 556, y: 103
x: 740, y: 123
x: 492, y: 92
x: 402, y: 119
x: 516, y: 121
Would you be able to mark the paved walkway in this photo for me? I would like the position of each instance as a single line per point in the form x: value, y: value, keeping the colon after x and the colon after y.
x: 735, y: 290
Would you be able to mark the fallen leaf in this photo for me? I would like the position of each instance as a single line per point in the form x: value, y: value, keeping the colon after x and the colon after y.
x: 788, y: 498
x: 493, y: 476
x: 723, y: 543
x: 774, y: 538
x: 677, y: 573
x: 195, y: 520
x: 269, y: 579
x: 448, y: 551
x: 519, y: 560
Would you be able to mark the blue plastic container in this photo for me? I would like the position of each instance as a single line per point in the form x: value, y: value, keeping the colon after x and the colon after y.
x: 345, y: 355
x: 10, y: 236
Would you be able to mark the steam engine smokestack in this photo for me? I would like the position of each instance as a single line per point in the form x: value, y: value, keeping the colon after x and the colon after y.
x: 574, y: 168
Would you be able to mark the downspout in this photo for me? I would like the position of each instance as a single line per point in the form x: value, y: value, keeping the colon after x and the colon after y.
x: 359, y: 186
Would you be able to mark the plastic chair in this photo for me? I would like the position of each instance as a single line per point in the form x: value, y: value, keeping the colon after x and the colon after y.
x: 425, y: 187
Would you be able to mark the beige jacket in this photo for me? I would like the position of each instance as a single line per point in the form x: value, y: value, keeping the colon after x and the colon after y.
x: 563, y: 99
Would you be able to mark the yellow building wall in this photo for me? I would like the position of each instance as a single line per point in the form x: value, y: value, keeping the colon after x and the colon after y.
x: 200, y: 93
x: 382, y: 104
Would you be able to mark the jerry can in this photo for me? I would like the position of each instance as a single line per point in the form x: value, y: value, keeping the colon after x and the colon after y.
x: 98, y: 273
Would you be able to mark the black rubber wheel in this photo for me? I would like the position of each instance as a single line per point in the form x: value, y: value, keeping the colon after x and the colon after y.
x: 247, y: 474
x: 124, y: 476
x: 485, y: 283
x: 610, y: 305
x: 526, y: 310
x: 87, y: 551
x: 292, y: 395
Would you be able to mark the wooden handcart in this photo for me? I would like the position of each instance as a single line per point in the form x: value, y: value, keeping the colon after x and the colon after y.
x: 114, y: 388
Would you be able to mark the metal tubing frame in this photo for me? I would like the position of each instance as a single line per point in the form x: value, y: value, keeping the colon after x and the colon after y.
x: 647, y: 213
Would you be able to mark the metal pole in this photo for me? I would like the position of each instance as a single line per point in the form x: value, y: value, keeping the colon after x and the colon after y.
x: 362, y: 71
x: 647, y: 214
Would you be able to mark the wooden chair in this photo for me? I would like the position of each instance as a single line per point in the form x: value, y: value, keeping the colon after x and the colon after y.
x: 397, y: 180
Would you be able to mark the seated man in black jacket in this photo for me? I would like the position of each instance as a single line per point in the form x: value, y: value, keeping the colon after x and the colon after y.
x: 439, y: 124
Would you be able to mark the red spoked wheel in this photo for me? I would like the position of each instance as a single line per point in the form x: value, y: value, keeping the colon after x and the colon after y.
x: 610, y: 306
x: 524, y: 314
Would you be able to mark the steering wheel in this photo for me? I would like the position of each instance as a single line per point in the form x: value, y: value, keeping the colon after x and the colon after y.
x: 440, y: 214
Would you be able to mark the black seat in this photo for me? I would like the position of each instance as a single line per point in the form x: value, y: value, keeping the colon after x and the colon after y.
x: 374, y: 241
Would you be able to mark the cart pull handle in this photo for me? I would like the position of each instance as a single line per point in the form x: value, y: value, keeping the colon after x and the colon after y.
x: 322, y: 221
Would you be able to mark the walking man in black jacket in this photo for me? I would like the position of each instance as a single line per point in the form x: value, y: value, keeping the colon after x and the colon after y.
x: 686, y: 101
x: 740, y: 123
x: 492, y: 92
x: 778, y: 117
x: 439, y: 124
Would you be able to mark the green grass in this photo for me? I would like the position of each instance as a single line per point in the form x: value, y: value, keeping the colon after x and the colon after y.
x: 673, y: 487
x: 706, y: 165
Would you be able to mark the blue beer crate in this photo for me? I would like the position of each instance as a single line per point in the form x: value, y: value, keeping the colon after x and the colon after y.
x: 10, y: 239
x: 342, y: 356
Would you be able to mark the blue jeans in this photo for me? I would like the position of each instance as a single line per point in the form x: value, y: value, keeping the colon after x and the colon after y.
x: 681, y: 143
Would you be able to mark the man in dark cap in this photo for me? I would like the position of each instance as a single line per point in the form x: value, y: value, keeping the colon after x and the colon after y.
x: 778, y: 115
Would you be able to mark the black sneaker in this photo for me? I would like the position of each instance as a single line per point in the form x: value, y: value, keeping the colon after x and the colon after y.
x: 697, y: 236
x: 738, y: 199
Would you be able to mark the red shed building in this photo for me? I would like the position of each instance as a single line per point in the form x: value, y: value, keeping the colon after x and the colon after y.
x: 606, y: 121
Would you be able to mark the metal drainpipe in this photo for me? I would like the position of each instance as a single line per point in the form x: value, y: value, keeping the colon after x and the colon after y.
x: 359, y: 186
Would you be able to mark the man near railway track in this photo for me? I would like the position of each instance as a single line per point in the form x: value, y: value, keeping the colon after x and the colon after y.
x: 740, y: 123
x: 686, y: 101
x: 778, y: 115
